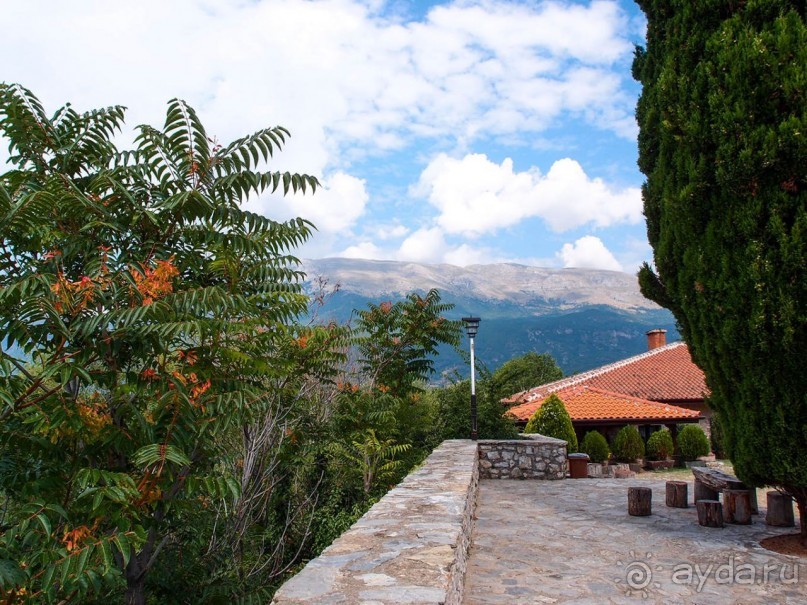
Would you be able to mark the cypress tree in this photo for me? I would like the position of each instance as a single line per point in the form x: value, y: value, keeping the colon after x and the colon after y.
x: 552, y: 420
x: 723, y: 143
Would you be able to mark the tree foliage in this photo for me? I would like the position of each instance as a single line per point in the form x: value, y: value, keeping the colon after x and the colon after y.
x: 627, y: 445
x: 596, y: 446
x: 397, y: 341
x: 693, y: 442
x: 156, y: 313
x: 522, y: 373
x: 660, y: 445
x: 452, y: 405
x: 552, y: 420
x: 723, y: 116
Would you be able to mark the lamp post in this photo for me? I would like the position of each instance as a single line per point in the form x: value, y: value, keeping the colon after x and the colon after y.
x: 471, y: 327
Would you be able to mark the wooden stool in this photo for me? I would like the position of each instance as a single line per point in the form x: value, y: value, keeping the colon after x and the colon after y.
x: 639, y: 501
x: 704, y: 492
x: 710, y: 513
x: 737, y: 506
x: 752, y: 491
x: 677, y: 494
x: 780, y: 510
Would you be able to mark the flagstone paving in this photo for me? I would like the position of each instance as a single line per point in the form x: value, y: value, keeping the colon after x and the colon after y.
x: 573, y: 541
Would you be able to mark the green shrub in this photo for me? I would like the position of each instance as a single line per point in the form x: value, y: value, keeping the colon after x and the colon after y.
x: 552, y: 420
x: 660, y: 445
x: 596, y: 446
x: 693, y: 442
x: 628, y: 445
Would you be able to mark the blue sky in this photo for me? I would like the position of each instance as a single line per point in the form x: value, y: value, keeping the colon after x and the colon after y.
x: 463, y: 132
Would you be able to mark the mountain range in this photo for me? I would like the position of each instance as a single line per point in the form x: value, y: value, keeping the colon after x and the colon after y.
x: 584, y: 318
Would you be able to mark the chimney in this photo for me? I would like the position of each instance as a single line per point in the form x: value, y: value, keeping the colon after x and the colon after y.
x: 656, y: 339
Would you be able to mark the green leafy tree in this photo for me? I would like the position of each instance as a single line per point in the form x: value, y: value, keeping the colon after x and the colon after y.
x: 381, y: 422
x: 596, y: 446
x: 628, y: 445
x: 151, y: 305
x: 397, y: 342
x: 376, y: 460
x: 552, y: 420
x: 660, y: 445
x: 522, y: 373
x: 693, y: 442
x: 722, y: 120
x: 452, y: 415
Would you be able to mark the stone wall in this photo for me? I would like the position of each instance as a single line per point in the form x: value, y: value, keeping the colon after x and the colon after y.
x: 412, y: 546
x: 535, y: 457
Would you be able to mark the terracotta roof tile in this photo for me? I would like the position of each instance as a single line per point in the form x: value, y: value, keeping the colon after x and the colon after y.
x: 663, y: 374
x: 584, y: 402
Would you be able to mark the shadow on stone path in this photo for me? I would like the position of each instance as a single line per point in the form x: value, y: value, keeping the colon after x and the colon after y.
x: 573, y: 541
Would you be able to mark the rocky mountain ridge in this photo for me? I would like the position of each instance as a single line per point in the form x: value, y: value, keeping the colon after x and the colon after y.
x: 583, y: 318
x: 505, y: 282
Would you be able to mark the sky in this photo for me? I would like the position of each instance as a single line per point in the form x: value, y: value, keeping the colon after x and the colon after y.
x: 462, y: 132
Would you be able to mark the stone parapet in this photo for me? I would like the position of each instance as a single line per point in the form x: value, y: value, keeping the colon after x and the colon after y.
x: 534, y: 457
x: 412, y: 546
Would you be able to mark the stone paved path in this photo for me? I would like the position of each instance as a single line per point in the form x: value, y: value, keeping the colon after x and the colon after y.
x: 572, y: 541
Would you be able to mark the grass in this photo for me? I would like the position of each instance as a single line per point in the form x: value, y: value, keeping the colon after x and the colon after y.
x: 681, y: 474
x: 668, y: 474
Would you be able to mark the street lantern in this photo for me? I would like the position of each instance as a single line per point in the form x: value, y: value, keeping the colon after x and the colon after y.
x: 471, y: 328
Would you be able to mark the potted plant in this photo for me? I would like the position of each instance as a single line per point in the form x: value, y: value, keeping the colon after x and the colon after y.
x: 693, y: 442
x: 596, y: 446
x: 659, y: 450
x: 628, y: 446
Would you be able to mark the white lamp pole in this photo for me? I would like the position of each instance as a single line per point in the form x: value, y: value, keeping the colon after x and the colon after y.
x: 471, y: 327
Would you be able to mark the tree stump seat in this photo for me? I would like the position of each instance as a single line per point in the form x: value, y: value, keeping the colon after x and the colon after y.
x: 780, y: 510
x: 737, y: 506
x: 639, y: 501
x: 677, y: 494
x: 709, y: 482
x: 710, y: 513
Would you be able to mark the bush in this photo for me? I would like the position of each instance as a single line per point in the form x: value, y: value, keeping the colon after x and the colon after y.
x: 628, y: 445
x: 595, y: 445
x: 693, y: 442
x: 452, y: 413
x: 552, y: 420
x: 660, y: 445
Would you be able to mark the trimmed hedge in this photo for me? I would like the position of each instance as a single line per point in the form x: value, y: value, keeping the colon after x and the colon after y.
x: 660, y: 445
x: 595, y: 445
x: 628, y: 444
x: 693, y: 442
x: 552, y: 420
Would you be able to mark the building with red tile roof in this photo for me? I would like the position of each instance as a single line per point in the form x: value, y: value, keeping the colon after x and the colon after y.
x: 660, y: 387
x: 587, y: 404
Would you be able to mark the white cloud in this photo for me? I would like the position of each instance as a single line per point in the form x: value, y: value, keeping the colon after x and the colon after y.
x: 426, y: 245
x: 335, y: 72
x: 334, y: 208
x: 588, y: 252
x: 634, y: 251
x: 352, y: 82
x: 362, y: 250
x: 475, y: 196
x: 387, y: 231
x: 465, y: 255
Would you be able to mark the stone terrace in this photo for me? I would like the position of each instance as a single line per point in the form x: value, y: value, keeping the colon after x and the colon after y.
x: 568, y: 541
x: 573, y: 542
x: 412, y: 546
